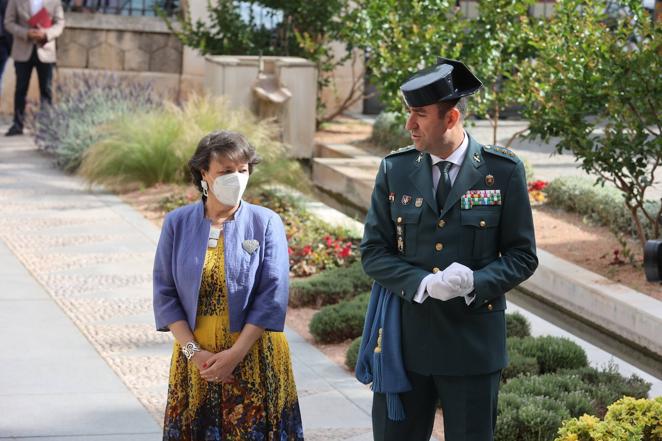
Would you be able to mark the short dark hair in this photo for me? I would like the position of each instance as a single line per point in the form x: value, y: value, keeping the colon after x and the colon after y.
x: 445, y: 106
x: 225, y: 144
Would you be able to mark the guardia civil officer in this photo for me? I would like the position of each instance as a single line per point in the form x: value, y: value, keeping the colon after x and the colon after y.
x: 450, y: 231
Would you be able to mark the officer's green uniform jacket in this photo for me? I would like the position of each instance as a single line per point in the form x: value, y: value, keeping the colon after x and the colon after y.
x: 496, y: 242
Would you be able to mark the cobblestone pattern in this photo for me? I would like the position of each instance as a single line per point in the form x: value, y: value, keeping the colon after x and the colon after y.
x: 73, y: 244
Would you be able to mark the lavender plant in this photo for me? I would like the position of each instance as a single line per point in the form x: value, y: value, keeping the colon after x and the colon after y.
x: 84, y: 104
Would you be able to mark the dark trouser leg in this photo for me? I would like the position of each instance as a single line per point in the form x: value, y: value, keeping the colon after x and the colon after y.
x: 470, y: 406
x: 23, y: 73
x: 45, y: 75
x: 5, y: 49
x: 419, y: 405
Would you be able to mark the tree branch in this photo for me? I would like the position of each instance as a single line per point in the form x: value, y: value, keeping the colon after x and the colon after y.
x: 516, y: 135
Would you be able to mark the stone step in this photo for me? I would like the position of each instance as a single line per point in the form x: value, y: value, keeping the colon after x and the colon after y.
x: 324, y: 150
x: 350, y: 178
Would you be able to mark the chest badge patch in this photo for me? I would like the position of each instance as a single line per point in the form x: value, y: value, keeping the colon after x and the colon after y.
x: 489, y: 180
x: 473, y: 198
x: 391, y: 197
x: 418, y: 203
x: 406, y: 199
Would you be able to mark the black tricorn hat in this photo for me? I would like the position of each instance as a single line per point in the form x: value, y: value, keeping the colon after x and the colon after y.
x: 448, y: 80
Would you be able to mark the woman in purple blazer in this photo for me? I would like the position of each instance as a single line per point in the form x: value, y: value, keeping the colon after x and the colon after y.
x: 221, y: 287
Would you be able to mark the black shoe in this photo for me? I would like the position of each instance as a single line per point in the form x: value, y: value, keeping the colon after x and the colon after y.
x: 13, y: 131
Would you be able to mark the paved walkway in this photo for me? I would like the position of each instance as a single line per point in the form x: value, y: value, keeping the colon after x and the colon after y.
x: 81, y: 359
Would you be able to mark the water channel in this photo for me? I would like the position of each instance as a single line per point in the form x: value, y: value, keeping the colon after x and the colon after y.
x: 601, y: 349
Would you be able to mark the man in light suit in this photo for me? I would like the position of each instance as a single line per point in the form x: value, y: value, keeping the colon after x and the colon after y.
x: 32, y: 48
x: 5, y: 41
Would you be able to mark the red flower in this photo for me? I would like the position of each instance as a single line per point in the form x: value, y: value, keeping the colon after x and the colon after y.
x: 346, y: 251
x: 289, y: 250
x: 537, y: 185
x: 307, y: 250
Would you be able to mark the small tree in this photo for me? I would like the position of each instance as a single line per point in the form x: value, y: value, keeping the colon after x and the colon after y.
x: 596, y: 85
x: 400, y: 37
x: 496, y: 44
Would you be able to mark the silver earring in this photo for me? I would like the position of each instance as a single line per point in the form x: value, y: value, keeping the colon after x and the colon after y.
x: 205, y: 188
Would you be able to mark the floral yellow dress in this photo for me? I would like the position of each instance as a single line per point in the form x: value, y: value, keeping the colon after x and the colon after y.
x: 261, y: 404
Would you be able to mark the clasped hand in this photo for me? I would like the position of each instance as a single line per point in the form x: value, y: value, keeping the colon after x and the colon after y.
x: 217, y: 367
x: 37, y: 35
x: 455, y: 281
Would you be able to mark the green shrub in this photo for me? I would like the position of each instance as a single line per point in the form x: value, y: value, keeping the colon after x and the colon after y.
x: 552, y: 353
x: 607, y: 386
x: 519, y: 365
x: 569, y: 390
x: 335, y: 323
x: 528, y: 418
x: 155, y: 146
x: 352, y: 353
x: 329, y: 286
x: 389, y: 131
x: 517, y: 325
x: 84, y: 104
x: 599, y: 205
x: 626, y: 419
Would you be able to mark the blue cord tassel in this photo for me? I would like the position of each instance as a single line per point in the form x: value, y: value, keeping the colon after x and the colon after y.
x: 377, y: 372
x: 396, y: 412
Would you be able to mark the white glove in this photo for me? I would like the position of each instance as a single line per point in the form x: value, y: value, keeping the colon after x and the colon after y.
x: 455, y: 281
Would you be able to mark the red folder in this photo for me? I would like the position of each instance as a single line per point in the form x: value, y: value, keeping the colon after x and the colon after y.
x: 41, y: 19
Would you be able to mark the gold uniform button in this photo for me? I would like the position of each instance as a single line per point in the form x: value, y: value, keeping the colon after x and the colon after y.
x: 399, y: 220
x: 490, y: 307
x: 435, y: 270
x: 438, y: 246
x: 441, y: 223
x: 482, y: 224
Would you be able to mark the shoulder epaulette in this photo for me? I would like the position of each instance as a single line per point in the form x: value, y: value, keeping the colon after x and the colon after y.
x: 501, y: 151
x: 401, y: 150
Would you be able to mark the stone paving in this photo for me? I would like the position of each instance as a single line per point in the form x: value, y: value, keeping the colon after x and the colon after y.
x: 92, y: 256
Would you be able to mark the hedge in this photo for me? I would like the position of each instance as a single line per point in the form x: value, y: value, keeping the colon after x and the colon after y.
x: 519, y: 365
x: 551, y: 353
x: 329, y: 286
x: 335, y: 323
x: 626, y: 419
x: 517, y: 325
x: 600, y: 205
x: 528, y: 418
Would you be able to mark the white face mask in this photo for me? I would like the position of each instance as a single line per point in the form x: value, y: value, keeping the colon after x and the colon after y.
x: 229, y: 188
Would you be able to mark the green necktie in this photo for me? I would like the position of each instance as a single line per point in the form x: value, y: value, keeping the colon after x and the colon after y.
x: 444, y: 186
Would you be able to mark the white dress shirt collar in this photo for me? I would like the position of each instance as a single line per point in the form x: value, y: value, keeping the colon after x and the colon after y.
x: 456, y: 158
x: 36, y: 5
x: 458, y: 154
